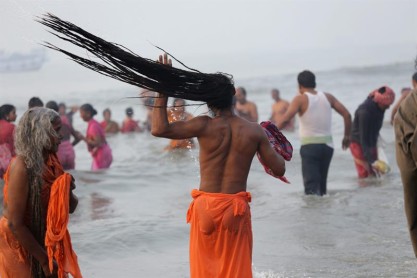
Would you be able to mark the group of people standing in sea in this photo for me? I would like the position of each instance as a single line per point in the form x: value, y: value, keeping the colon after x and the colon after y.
x: 313, y: 107
x: 314, y: 110
x: 95, y: 137
x: 38, y: 193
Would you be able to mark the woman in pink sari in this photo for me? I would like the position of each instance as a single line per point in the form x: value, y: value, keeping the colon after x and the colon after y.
x: 7, y: 116
x: 96, y: 139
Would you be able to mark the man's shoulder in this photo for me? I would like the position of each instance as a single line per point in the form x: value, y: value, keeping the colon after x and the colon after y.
x: 281, y: 103
x: 251, y: 103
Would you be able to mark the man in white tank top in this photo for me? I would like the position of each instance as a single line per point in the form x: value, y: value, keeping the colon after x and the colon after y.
x: 314, y: 110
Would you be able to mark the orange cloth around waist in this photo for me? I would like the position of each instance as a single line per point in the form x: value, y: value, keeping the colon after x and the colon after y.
x: 57, y: 238
x: 13, y: 258
x: 220, y: 235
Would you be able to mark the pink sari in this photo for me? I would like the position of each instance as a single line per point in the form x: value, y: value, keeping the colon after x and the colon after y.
x: 66, y: 153
x: 6, y: 145
x: 102, y: 155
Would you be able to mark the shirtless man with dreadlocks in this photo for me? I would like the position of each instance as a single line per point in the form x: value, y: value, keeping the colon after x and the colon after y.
x: 220, y: 218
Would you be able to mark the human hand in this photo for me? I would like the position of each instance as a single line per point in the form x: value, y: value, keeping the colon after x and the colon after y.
x: 79, y: 136
x: 163, y: 59
x: 345, y: 142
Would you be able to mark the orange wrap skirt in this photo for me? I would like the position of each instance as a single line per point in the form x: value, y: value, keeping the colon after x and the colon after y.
x: 13, y: 259
x: 221, y: 235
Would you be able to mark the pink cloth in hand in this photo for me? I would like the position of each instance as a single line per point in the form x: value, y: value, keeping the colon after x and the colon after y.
x: 279, y: 143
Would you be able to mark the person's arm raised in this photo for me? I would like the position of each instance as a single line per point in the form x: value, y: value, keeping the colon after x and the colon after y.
x: 176, y: 130
x: 341, y: 109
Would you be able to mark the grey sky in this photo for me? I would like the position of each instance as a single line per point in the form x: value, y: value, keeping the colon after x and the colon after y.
x: 241, y: 37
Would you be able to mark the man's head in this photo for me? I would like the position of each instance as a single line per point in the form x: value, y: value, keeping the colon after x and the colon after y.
x: 62, y: 108
x: 129, y: 112
x: 240, y: 95
x: 405, y: 90
x: 35, y: 102
x: 384, y: 97
x: 225, y: 95
x: 414, y: 80
x: 275, y: 94
x: 107, y: 114
x: 306, y: 81
x: 52, y: 105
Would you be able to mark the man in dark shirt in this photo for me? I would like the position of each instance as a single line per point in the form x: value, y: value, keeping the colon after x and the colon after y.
x: 366, y: 126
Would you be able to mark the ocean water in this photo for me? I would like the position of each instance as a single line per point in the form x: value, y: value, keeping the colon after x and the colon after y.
x: 130, y: 221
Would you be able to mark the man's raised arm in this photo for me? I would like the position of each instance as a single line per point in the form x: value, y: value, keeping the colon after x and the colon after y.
x: 176, y: 130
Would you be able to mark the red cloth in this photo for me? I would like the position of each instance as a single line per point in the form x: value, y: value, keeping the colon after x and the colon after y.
x: 130, y: 125
x: 103, y: 124
x: 6, y: 135
x: 386, y: 99
x: 279, y: 143
x: 6, y: 145
x: 360, y: 160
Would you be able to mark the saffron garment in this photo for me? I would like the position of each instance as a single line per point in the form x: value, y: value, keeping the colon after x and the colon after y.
x: 14, y: 261
x: 180, y: 144
x: 57, y: 238
x: 220, y: 235
x: 102, y: 155
x: 6, y: 145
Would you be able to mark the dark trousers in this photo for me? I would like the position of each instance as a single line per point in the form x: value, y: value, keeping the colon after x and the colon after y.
x: 315, y: 162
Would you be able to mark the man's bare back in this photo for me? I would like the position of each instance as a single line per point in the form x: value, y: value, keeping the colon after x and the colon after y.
x: 227, y: 142
x: 227, y: 148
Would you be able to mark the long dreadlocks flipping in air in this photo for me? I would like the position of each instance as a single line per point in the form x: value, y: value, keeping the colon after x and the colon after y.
x: 216, y: 89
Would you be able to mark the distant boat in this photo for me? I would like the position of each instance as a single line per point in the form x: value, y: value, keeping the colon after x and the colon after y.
x: 20, y: 62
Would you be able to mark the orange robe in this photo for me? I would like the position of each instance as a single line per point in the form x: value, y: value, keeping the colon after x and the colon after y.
x: 14, y: 261
x: 221, y: 235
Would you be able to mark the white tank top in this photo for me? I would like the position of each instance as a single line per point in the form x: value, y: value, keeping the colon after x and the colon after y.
x: 316, y: 122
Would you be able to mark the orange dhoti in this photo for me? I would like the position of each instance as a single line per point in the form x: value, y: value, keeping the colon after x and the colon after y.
x: 221, y: 235
x: 13, y: 260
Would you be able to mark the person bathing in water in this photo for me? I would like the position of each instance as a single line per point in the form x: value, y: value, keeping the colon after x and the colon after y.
x: 221, y: 231
x: 178, y: 113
